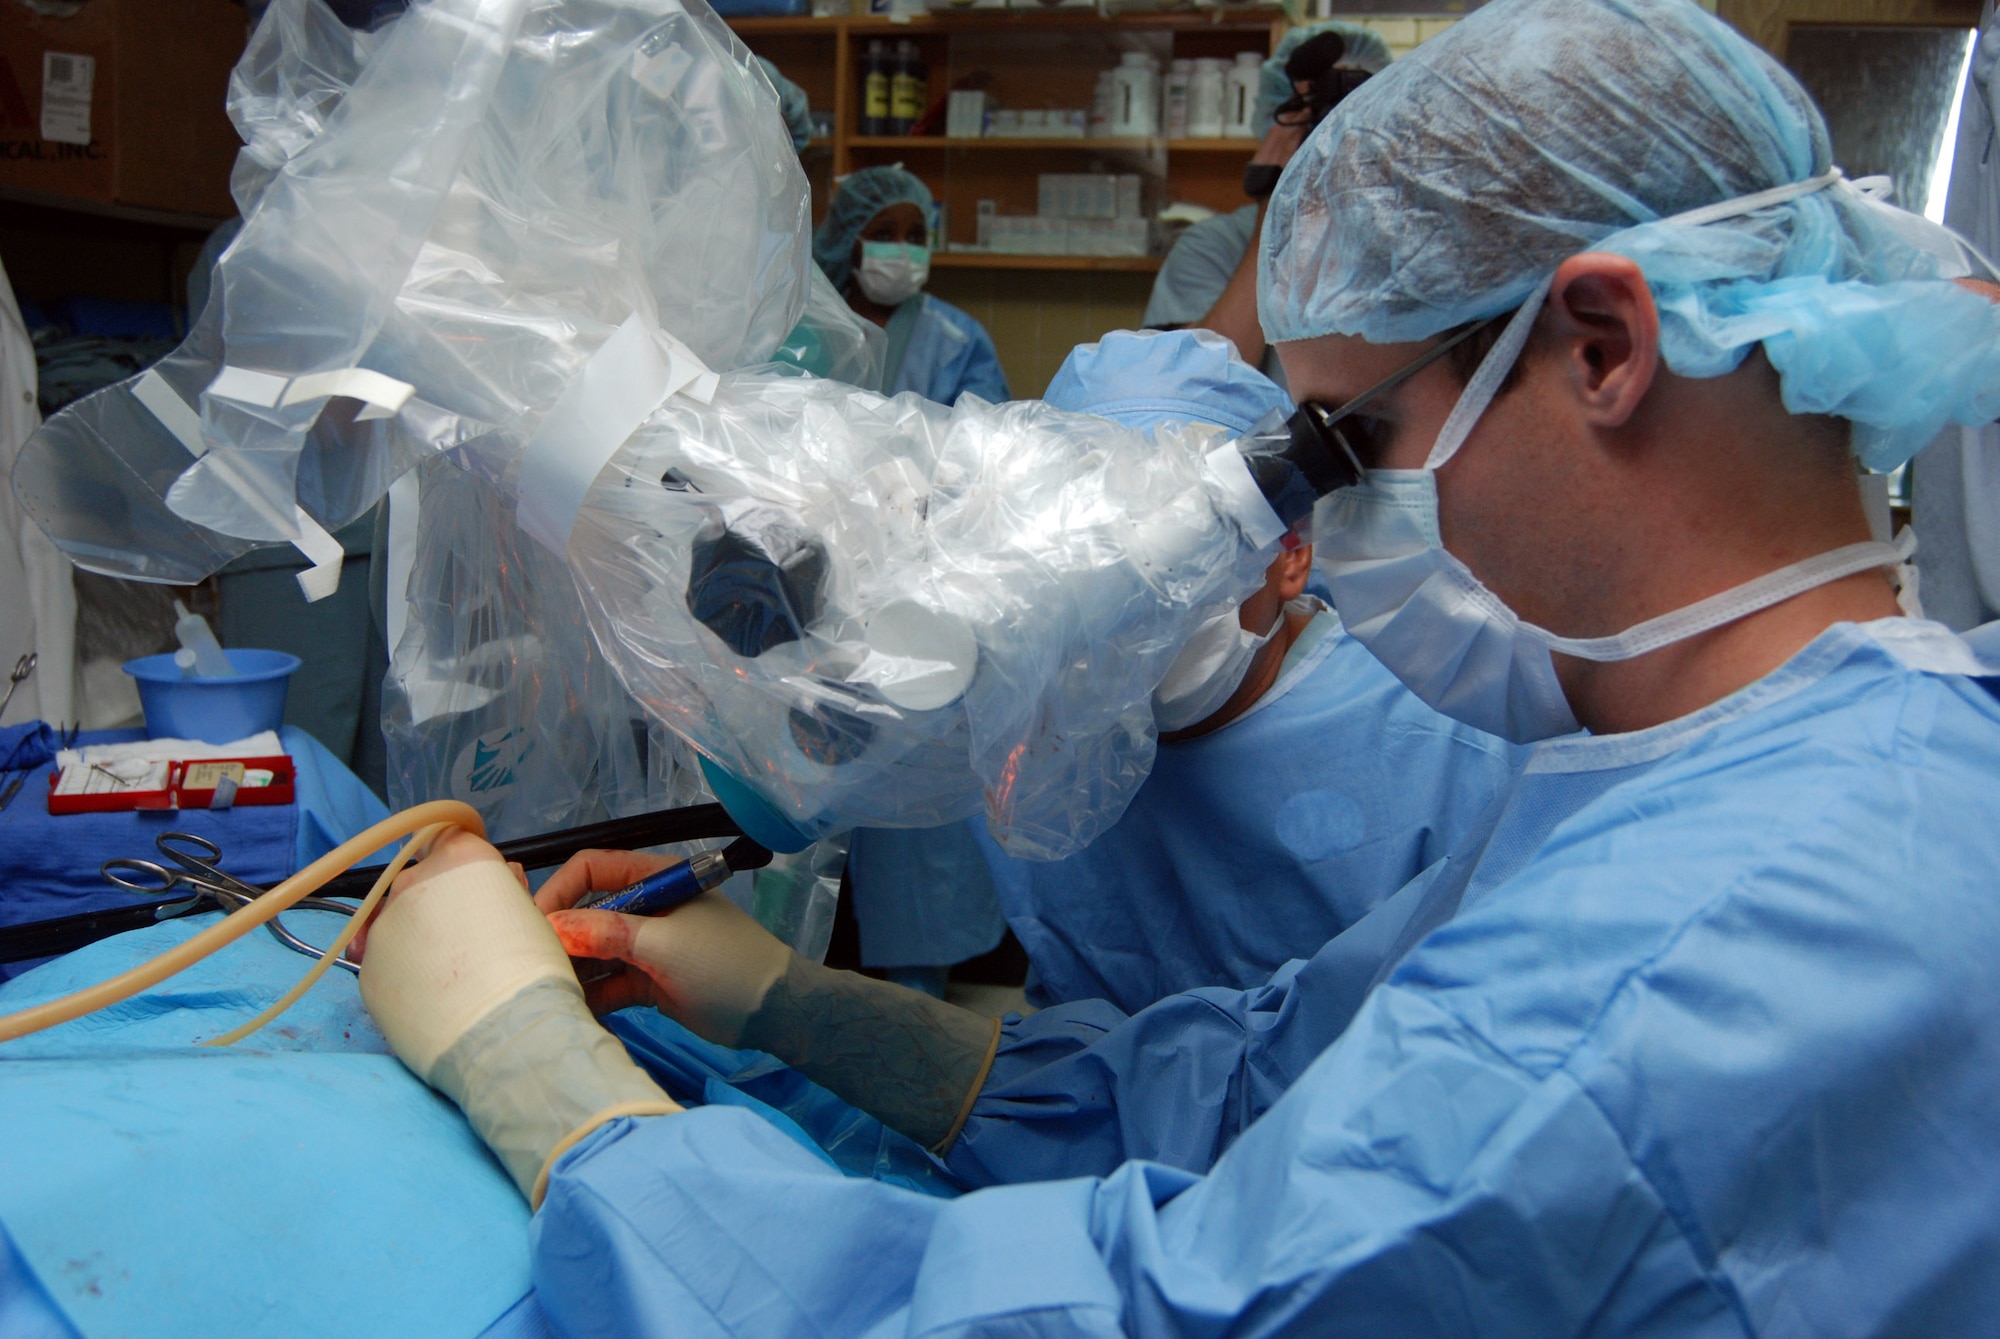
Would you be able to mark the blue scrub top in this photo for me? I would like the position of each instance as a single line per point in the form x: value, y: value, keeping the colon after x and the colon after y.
x: 1703, y: 1038
x: 1254, y: 845
x: 941, y: 353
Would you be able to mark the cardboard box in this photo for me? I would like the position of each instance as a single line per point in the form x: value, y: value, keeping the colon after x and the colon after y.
x: 122, y: 102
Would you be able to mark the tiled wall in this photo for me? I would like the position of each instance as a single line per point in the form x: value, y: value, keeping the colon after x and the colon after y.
x: 1037, y: 316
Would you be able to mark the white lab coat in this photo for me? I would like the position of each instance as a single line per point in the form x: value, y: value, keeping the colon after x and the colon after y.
x: 37, y: 596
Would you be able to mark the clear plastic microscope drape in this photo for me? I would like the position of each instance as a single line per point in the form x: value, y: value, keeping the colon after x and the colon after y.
x: 553, y: 254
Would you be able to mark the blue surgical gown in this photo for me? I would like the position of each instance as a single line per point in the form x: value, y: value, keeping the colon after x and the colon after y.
x: 1259, y: 842
x: 922, y: 896
x: 1703, y: 1038
x: 941, y: 353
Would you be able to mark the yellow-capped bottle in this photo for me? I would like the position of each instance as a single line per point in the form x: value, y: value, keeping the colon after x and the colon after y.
x: 907, y: 88
x: 876, y: 76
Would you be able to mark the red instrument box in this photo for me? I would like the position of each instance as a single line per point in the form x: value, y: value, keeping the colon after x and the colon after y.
x: 84, y: 788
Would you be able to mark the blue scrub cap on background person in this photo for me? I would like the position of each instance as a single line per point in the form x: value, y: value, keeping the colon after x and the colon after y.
x: 1365, y: 51
x: 1449, y: 187
x: 862, y: 196
x: 792, y: 105
x: 1145, y: 377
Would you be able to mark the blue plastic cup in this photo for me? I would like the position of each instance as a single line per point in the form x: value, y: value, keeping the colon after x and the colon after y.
x: 214, y: 710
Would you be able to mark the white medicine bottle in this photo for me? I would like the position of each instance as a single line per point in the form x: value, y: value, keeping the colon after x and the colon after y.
x: 1239, y: 118
x: 1205, y: 99
x: 1174, y: 99
x: 1136, y: 96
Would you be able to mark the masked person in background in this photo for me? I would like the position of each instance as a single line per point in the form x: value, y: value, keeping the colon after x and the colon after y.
x: 1209, y: 278
x: 921, y: 896
x: 874, y: 245
x: 1696, y: 1033
x: 1297, y: 782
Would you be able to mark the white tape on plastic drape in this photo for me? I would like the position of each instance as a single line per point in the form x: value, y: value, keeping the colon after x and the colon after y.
x: 624, y: 381
x: 323, y: 577
x: 1225, y: 468
x: 384, y: 395
x: 167, y: 406
x: 247, y: 386
x: 321, y: 548
x: 404, y: 503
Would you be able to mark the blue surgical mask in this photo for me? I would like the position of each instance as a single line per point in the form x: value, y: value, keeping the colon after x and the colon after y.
x: 892, y: 273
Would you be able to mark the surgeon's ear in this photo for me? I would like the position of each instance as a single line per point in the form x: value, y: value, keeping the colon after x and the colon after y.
x: 1603, y: 327
x: 1288, y: 573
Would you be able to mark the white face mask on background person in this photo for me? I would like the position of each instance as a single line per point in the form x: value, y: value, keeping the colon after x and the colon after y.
x: 1207, y: 672
x: 891, y: 273
x: 1458, y: 646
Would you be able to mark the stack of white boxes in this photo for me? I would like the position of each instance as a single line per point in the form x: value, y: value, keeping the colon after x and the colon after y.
x: 1077, y: 214
x: 965, y: 114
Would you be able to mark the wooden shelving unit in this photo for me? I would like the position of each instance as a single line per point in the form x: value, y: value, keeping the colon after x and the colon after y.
x: 1034, y: 58
x: 157, y: 218
x: 1248, y: 18
x: 987, y: 260
x: 1241, y: 148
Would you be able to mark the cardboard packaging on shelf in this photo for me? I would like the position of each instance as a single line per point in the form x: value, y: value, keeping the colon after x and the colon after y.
x: 121, y: 103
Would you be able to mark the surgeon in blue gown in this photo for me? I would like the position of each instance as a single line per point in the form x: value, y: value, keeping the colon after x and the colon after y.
x: 1297, y: 782
x: 874, y: 245
x: 1697, y: 1033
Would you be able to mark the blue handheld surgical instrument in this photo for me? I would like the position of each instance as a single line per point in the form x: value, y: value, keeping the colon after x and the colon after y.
x: 199, y: 868
x: 664, y: 890
x: 661, y: 892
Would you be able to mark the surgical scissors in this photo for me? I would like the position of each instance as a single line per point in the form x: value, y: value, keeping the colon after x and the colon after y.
x: 197, y: 860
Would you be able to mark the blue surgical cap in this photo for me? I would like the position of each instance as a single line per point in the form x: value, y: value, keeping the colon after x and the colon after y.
x: 1145, y: 377
x: 1450, y: 186
x: 860, y: 198
x: 792, y: 105
x: 1365, y: 51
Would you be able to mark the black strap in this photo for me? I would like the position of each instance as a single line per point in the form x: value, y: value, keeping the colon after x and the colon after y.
x: 1260, y: 179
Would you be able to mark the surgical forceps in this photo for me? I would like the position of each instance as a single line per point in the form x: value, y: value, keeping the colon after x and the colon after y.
x: 197, y: 868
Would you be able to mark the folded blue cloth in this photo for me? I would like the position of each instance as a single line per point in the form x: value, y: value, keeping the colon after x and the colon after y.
x: 49, y: 863
x: 26, y: 746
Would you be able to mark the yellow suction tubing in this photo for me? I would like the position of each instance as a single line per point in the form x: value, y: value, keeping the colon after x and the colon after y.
x: 427, y: 821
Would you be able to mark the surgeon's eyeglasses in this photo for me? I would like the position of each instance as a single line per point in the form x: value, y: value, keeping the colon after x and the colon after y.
x: 1335, y: 445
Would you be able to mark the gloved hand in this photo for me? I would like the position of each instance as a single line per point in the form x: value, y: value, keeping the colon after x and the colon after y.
x: 706, y: 965
x: 473, y: 991
x: 913, y: 1062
